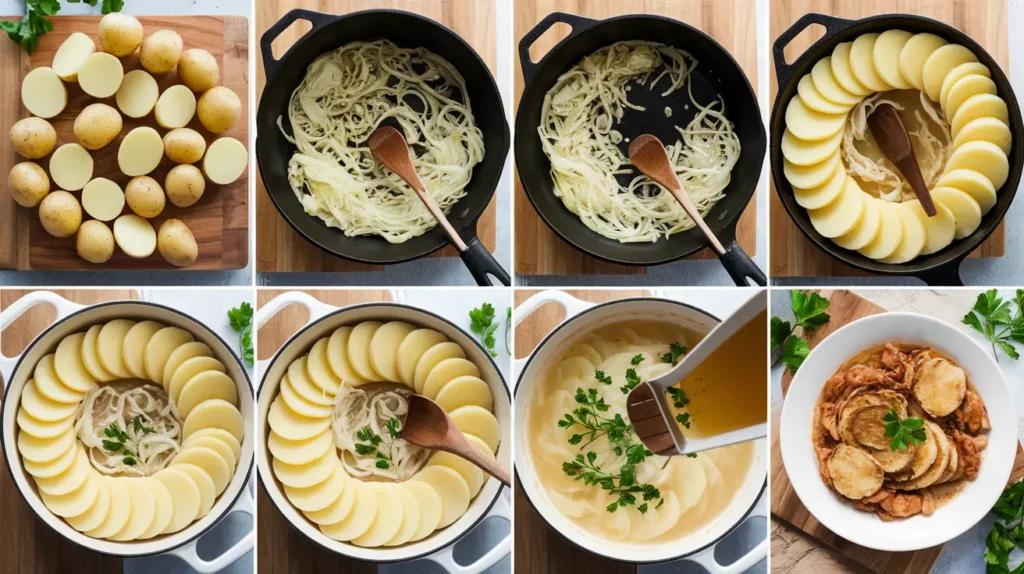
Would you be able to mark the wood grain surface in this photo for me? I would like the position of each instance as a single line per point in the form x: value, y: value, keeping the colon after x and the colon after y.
x: 791, y: 253
x: 27, y: 545
x: 280, y: 548
x: 539, y: 549
x: 538, y: 250
x: 219, y: 221
x: 279, y: 249
x: 844, y: 307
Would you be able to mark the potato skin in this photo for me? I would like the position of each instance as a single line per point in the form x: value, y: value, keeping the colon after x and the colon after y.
x: 198, y: 70
x: 97, y: 126
x: 95, y: 242
x: 60, y: 213
x: 161, y: 51
x: 184, y: 145
x: 33, y: 138
x: 176, y: 243
x: 184, y: 185
x: 219, y: 108
x: 28, y: 183
x: 120, y: 34
x: 145, y: 197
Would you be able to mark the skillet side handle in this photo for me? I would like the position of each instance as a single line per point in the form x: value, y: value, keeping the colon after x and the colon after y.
x: 833, y: 25
x: 947, y: 275
x: 741, y: 267
x: 577, y: 23
x: 482, y: 265
x: 272, y: 64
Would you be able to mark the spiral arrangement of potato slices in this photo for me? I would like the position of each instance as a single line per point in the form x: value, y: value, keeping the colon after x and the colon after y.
x: 307, y: 464
x: 121, y: 508
x: 978, y: 166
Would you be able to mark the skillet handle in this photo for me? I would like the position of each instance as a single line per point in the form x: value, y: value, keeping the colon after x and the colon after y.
x: 482, y: 265
x: 947, y: 275
x: 741, y: 267
x: 272, y: 64
x: 577, y: 23
x: 833, y: 25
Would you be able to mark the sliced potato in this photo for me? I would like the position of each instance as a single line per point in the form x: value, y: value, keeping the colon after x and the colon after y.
x: 161, y: 51
x: 893, y: 461
x: 71, y: 167
x: 103, y: 199
x: 95, y: 242
x: 940, y: 387
x: 145, y: 196
x: 71, y: 55
x: 100, y: 75
x: 936, y: 470
x: 97, y: 126
x: 138, y: 94
x: 868, y: 427
x: 43, y: 93
x: 176, y: 243
x: 219, y: 108
x: 60, y: 214
x: 198, y: 70
x: 225, y: 161
x: 120, y: 34
x: 28, y: 184
x: 176, y: 107
x: 140, y: 152
x: 854, y: 473
x: 135, y: 236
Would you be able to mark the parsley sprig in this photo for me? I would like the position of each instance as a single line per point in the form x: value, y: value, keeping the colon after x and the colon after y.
x: 632, y: 380
x: 120, y: 442
x: 241, y: 321
x: 904, y: 432
x: 483, y: 324
x: 1008, y: 534
x: 371, y: 443
x: 36, y: 21
x: 809, y: 313
x: 680, y: 401
x: 675, y: 350
x: 998, y: 321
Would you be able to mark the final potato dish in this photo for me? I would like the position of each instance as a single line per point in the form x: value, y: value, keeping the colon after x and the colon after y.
x: 73, y: 199
x: 130, y: 430
x: 335, y: 425
x: 899, y: 430
x: 959, y: 128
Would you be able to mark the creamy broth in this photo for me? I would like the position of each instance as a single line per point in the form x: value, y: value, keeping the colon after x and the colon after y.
x: 694, y: 491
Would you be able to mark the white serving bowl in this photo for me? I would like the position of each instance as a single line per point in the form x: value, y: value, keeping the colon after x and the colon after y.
x: 919, y: 531
x: 74, y: 318
x: 581, y: 319
x: 323, y: 320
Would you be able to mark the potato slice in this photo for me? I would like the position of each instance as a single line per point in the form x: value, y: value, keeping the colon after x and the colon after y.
x: 410, y: 517
x: 319, y: 368
x: 140, y: 152
x: 939, y: 64
x: 305, y: 475
x: 869, y: 227
x: 389, y: 505
x: 43, y: 93
x: 225, y: 161
x: 138, y: 94
x: 110, y: 344
x: 300, y: 405
x: 180, y: 356
x: 50, y: 386
x: 320, y: 495
x: 164, y: 508
x: 298, y: 376
x: 986, y: 129
x: 359, y: 519
x: 214, y: 443
x: 967, y: 87
x: 69, y: 365
x: 39, y: 429
x: 810, y: 125
x: 464, y: 391
x: 479, y: 422
x: 359, y: 350
x: 185, y: 494
x: 384, y: 348
x: 811, y: 176
x: 71, y: 55
x: 430, y: 506
x: 51, y: 468
x: 135, y: 236
x: 76, y: 502
x: 940, y: 387
x: 337, y: 356
x: 293, y: 426
x: 120, y: 509
x: 134, y: 349
x: 446, y: 371
x: 843, y: 71
x: 100, y: 75
x: 203, y: 481
x: 221, y: 435
x: 206, y: 386
x: 471, y: 473
x: 799, y: 152
x: 431, y: 358
x: 853, y: 472
x: 103, y: 199
x: 938, y: 230
x: 176, y: 107
x: 189, y: 369
x: 893, y: 461
x: 842, y: 215
x: 97, y: 513
x: 936, y: 470
x: 867, y: 427
x: 452, y: 489
x: 829, y: 88
x: 913, y: 237
x: 159, y: 349
x: 890, y: 233
x: 71, y: 167
x: 412, y: 349
x: 973, y: 183
x: 339, y: 509
x: 965, y: 210
x: 886, y: 56
x: 915, y: 53
x: 208, y: 460
x: 42, y: 408
x: 299, y: 452
x: 215, y: 414
x: 44, y: 450
x: 979, y: 106
x: 813, y: 99
x: 862, y: 63
x: 957, y: 74
x: 984, y: 157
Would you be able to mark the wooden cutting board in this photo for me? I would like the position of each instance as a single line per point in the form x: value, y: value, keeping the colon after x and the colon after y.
x: 280, y: 548
x: 28, y: 545
x: 279, y: 249
x: 844, y: 307
x: 219, y: 221
x: 538, y: 250
x: 792, y: 254
x: 538, y: 548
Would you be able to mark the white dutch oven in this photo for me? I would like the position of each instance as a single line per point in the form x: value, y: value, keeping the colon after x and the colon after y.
x: 865, y: 528
x: 75, y: 318
x: 323, y: 320
x: 582, y: 318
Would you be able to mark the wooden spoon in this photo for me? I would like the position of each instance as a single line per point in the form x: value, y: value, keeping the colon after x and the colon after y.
x: 427, y: 425
x: 649, y: 156
x: 894, y: 141
x: 389, y: 147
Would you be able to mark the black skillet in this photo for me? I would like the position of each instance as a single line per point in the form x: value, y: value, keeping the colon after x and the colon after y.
x: 718, y: 74
x: 943, y: 267
x: 404, y: 29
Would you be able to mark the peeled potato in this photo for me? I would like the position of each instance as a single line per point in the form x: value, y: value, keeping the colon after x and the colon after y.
x: 28, y: 183
x: 97, y: 126
x: 120, y: 34
x: 176, y: 243
x: 161, y: 51
x: 145, y: 196
x: 198, y: 70
x: 33, y: 138
x: 184, y: 185
x: 219, y: 108
x: 60, y: 214
x: 95, y: 242
x: 184, y: 145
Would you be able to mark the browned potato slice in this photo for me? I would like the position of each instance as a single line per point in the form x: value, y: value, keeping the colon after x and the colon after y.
x: 954, y: 464
x: 940, y: 387
x: 936, y: 470
x: 924, y: 458
x: 854, y: 473
x: 893, y: 461
x: 887, y: 399
x: 868, y: 427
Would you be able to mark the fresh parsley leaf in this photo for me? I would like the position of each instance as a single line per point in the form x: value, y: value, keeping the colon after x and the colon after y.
x: 632, y: 380
x: 779, y: 331
x: 602, y: 378
x: 678, y: 395
x: 393, y: 426
x: 241, y: 321
x: 794, y: 351
x: 904, y: 432
x: 683, y: 419
x: 992, y: 317
x: 637, y: 359
x: 482, y: 323
x: 809, y: 309
x: 112, y: 446
x: 692, y: 455
x: 130, y: 461
x: 675, y: 350
x: 383, y: 464
x: 642, y: 508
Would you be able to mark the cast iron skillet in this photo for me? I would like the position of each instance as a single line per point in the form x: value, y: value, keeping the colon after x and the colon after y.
x: 943, y: 267
x: 404, y: 29
x: 718, y: 74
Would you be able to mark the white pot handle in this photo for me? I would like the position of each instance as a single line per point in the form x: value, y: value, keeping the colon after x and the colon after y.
x: 241, y: 548
x: 706, y: 558
x: 446, y: 558
x: 11, y: 314
x: 571, y: 305
x: 314, y: 306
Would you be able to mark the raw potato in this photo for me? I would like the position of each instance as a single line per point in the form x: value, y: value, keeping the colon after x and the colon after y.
x: 198, y: 70
x: 135, y: 236
x: 842, y: 215
x: 827, y: 85
x: 913, y: 236
x: 805, y: 123
x: 176, y: 243
x: 802, y: 152
x: 225, y: 161
x: 176, y: 107
x: 965, y: 209
x: 103, y: 199
x: 862, y: 63
x: 60, y: 214
x: 71, y: 55
x: 140, y: 152
x: 43, y: 93
x: 843, y: 71
x: 939, y: 64
x: 100, y: 75
x: 97, y: 126
x: 986, y: 129
x: 938, y: 230
x: 71, y: 167
x: 219, y: 109
x: 138, y: 94
x: 28, y: 183
x: 813, y: 99
x: 145, y: 196
x: 95, y: 242
x: 984, y: 157
x: 184, y: 185
x: 120, y: 34
x: 973, y: 183
x: 826, y: 193
x: 886, y: 57
x: 161, y: 51
x: 33, y: 138
x: 915, y: 53
x: 184, y: 145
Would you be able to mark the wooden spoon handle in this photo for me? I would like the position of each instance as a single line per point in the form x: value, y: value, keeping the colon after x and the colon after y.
x: 691, y: 210
x: 414, y: 182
